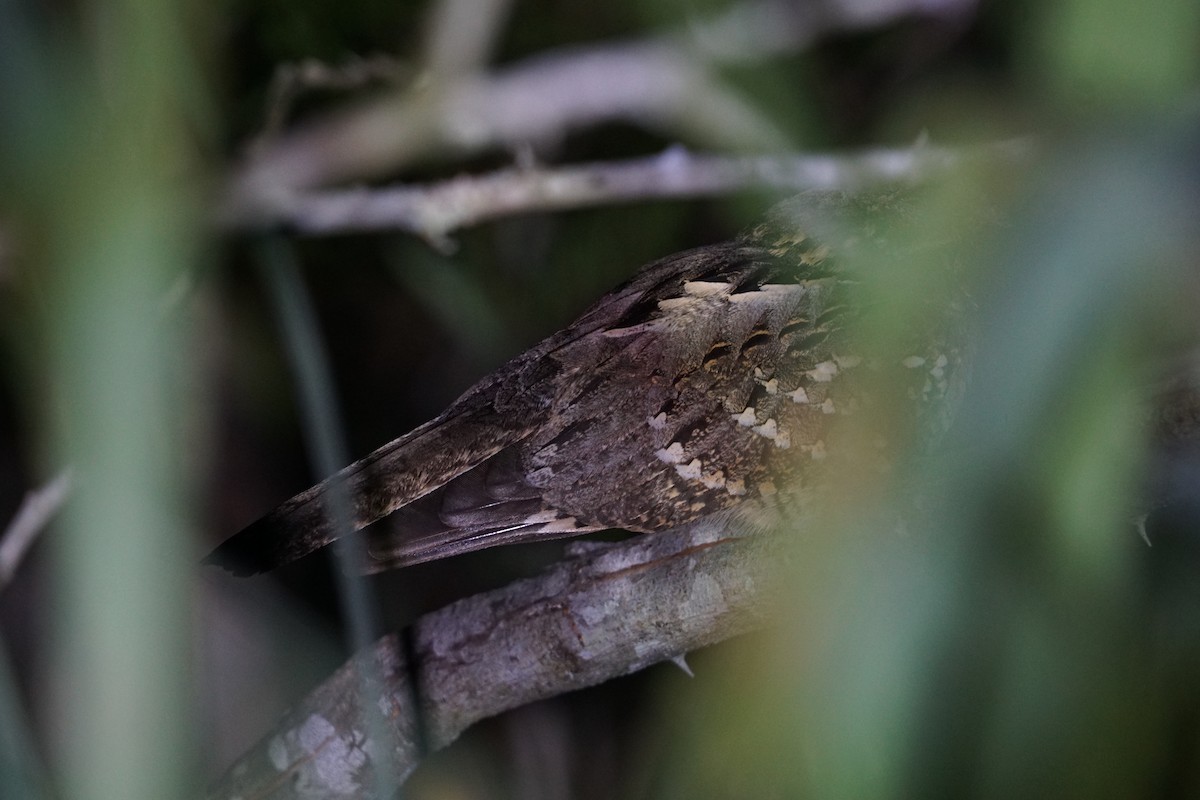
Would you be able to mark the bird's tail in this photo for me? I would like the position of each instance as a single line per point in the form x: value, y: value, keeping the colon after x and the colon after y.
x: 387, y: 479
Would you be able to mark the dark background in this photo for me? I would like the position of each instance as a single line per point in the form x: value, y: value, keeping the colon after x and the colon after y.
x: 1023, y: 708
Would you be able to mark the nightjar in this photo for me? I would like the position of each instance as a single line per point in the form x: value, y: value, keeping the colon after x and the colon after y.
x: 712, y: 382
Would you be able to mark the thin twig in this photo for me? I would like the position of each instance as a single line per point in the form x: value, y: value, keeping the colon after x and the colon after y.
x: 434, y: 211
x: 37, y: 509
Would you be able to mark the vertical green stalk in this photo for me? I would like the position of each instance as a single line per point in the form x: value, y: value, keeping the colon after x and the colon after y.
x: 111, y: 197
x: 329, y: 453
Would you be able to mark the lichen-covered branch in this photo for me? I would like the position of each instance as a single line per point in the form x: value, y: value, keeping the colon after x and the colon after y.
x: 607, y: 610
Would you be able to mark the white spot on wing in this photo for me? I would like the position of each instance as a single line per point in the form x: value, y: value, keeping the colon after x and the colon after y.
x: 713, y: 480
x: 766, y: 292
x: 673, y: 454
x: 658, y: 422
x: 746, y: 418
x: 799, y: 396
x: 561, y: 525
x: 823, y: 372
x: 541, y: 517
x: 706, y: 288
x: 767, y: 429
x: 783, y: 439
x: 690, y: 470
x: 827, y: 407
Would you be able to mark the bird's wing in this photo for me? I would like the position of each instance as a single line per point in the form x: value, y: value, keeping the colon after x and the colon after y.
x: 497, y: 413
x: 581, y: 432
x: 646, y: 376
x: 389, y: 478
x: 491, y: 504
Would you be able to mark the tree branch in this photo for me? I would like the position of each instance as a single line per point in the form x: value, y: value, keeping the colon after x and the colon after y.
x: 664, y: 82
x: 434, y: 211
x: 605, y: 611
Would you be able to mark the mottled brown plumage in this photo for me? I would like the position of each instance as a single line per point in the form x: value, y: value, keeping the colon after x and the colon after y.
x: 708, y: 383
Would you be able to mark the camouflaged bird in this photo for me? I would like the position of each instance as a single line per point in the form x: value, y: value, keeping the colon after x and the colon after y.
x: 708, y: 383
